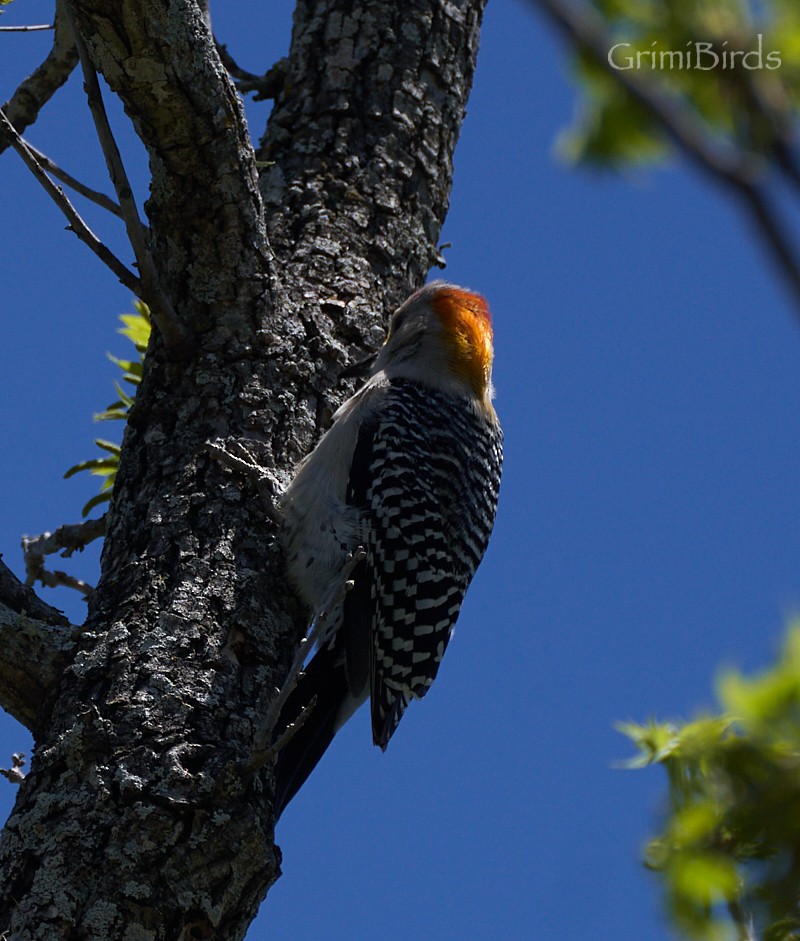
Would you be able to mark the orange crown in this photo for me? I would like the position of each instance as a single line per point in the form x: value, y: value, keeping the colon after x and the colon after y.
x: 468, y: 325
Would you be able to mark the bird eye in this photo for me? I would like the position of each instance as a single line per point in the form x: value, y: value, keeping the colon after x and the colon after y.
x: 398, y: 320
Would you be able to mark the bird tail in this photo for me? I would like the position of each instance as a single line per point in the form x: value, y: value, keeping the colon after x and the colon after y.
x: 330, y: 689
x: 320, y: 693
x: 388, y: 706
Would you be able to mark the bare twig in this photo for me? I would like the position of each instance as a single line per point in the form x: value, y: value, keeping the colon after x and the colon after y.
x: 774, y: 232
x: 265, y: 86
x: 787, y: 160
x: 743, y: 921
x: 739, y: 172
x: 76, y: 223
x: 27, y: 29
x: 57, y: 578
x: 38, y: 88
x: 99, y: 198
x: 69, y: 538
x: 15, y: 774
x: 164, y: 316
x: 65, y: 540
x: 233, y: 68
x: 776, y: 120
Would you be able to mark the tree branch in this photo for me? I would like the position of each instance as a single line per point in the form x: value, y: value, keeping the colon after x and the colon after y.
x: 199, y: 149
x: 21, y: 599
x: 774, y: 233
x: 38, y: 643
x: 161, y: 309
x: 266, y: 86
x: 66, y: 540
x: 27, y: 29
x: 105, y: 202
x: 38, y: 88
x: 740, y: 173
x: 585, y: 29
x: 76, y: 223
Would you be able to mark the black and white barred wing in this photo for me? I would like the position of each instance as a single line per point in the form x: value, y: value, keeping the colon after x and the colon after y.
x: 426, y: 480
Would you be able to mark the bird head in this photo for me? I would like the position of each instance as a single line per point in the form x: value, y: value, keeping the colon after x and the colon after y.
x: 441, y: 336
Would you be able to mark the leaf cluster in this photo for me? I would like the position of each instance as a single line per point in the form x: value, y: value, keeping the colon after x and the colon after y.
x: 747, y: 108
x: 728, y: 854
x: 137, y: 328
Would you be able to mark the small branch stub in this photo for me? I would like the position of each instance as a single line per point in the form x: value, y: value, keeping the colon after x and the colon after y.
x: 236, y: 457
x: 65, y: 540
x: 15, y: 774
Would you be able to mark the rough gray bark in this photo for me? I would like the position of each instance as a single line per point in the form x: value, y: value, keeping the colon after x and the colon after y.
x: 139, y: 819
x: 38, y: 644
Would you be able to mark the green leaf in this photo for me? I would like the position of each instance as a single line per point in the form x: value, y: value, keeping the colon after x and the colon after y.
x: 95, y: 501
x: 693, y: 823
x: 137, y: 326
x: 655, y: 742
x: 745, y: 109
x: 115, y: 412
x: 727, y: 852
x: 108, y: 446
x: 124, y: 364
x: 131, y: 369
x: 705, y: 878
x: 137, y: 329
x: 611, y: 128
x: 95, y: 465
x: 770, y: 698
x: 127, y: 400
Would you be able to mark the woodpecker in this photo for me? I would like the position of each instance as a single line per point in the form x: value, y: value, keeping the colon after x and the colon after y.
x: 409, y: 471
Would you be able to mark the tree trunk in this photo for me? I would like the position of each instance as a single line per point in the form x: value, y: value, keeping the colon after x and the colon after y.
x: 140, y: 818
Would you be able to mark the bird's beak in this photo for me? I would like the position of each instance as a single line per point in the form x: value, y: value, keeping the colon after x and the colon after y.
x: 360, y: 369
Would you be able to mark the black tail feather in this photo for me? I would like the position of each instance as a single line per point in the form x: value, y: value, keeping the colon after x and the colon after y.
x: 337, y: 680
x: 325, y: 681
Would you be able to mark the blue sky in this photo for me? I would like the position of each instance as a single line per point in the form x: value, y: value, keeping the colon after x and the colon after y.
x: 646, y: 372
